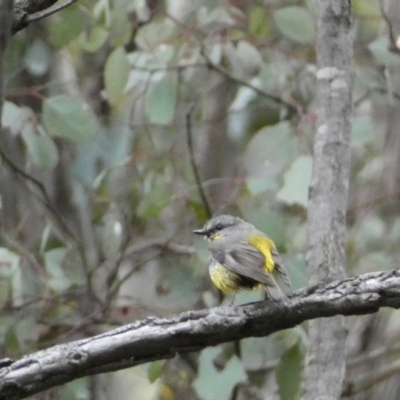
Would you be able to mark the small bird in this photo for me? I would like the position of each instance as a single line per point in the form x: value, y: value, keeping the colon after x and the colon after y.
x: 242, y: 257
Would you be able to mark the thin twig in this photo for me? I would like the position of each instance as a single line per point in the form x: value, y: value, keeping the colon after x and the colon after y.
x: 295, y: 108
x: 373, y: 356
x: 46, y: 199
x: 370, y: 379
x: 197, y: 178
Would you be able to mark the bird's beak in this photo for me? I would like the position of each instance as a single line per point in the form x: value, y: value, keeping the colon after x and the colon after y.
x: 201, y: 232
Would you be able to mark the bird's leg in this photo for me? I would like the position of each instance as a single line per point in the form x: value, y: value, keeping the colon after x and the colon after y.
x: 233, y: 298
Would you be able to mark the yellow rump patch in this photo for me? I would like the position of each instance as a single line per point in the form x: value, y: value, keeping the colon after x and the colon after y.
x: 265, y: 245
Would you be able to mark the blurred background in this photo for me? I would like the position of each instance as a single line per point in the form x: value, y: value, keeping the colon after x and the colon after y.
x: 112, y: 109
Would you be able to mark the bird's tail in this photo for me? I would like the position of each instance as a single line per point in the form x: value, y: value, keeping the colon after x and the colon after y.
x: 274, y: 292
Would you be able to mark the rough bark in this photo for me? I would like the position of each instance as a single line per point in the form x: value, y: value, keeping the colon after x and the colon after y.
x: 156, y: 338
x: 6, y: 19
x: 325, y: 361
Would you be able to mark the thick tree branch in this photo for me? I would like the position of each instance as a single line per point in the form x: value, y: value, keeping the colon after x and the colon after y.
x: 156, y: 338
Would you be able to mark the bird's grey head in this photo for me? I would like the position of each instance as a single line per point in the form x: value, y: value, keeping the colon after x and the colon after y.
x: 218, y: 225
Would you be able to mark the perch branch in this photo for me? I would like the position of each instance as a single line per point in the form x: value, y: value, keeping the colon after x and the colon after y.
x: 157, y: 338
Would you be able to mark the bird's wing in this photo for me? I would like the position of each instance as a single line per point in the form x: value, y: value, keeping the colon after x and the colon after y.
x: 279, y: 267
x: 245, y: 260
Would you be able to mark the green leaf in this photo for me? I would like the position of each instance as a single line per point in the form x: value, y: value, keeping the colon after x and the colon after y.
x: 260, y: 185
x: 380, y: 49
x: 367, y: 8
x: 11, y: 340
x: 27, y: 331
x: 92, y: 42
x: 212, y: 384
x: 155, y: 369
x: 156, y: 198
x: 182, y: 284
x: 38, y: 57
x: 69, y: 118
x: 296, y: 182
x: 116, y: 74
x: 78, y: 389
x: 9, y: 261
x: 161, y: 100
x: 248, y: 58
x: 53, y: 263
x: 296, y: 23
x: 259, y: 25
x: 270, y: 151
x: 289, y: 373
x: 66, y: 25
x: 362, y: 131
x: 14, y: 117
x: 371, y: 229
x: 112, y: 233
x: 4, y: 292
x: 156, y: 32
x: 257, y: 353
x: 41, y: 147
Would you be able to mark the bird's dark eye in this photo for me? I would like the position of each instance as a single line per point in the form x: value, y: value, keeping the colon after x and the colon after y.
x: 218, y: 227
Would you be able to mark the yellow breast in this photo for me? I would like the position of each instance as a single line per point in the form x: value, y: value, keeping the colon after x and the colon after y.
x: 222, y: 278
x: 228, y: 281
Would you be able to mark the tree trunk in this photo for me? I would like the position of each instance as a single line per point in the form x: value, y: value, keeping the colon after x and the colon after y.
x: 325, y: 361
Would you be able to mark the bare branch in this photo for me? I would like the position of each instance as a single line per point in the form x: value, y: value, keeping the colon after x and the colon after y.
x: 370, y: 379
x: 156, y: 338
x: 49, y: 11
x: 290, y: 106
x: 44, y: 198
x: 27, y: 11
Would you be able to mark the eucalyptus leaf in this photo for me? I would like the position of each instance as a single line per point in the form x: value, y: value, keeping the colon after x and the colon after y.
x: 53, y: 259
x: 11, y: 341
x: 41, y: 147
x: 362, y: 131
x: 66, y: 25
x: 37, y: 58
x: 4, y: 292
x: 96, y: 38
x: 296, y: 23
x: 259, y: 24
x: 289, y: 372
x: 367, y: 8
x: 69, y: 118
x: 161, y: 100
x: 296, y: 182
x: 212, y: 384
x: 380, y: 49
x: 116, y: 74
x: 14, y: 117
x: 155, y: 370
x: 270, y: 150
